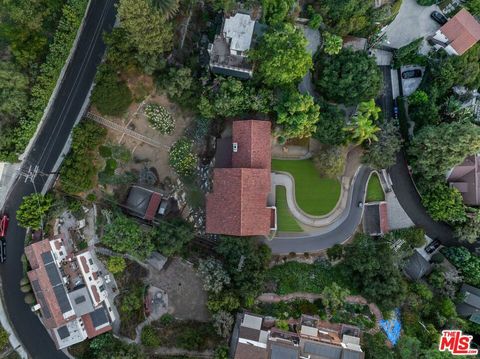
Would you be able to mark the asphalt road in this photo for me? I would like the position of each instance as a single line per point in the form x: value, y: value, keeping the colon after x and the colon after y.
x: 45, y: 152
x: 336, y: 233
x: 411, y: 202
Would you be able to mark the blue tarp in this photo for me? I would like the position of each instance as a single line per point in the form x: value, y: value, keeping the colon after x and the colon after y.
x: 392, y: 327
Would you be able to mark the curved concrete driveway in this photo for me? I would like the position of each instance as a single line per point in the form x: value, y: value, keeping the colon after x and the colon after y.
x: 412, y: 22
x: 286, y: 180
x: 326, y: 237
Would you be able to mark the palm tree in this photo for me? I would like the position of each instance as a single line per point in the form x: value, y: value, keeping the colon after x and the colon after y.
x: 362, y: 127
x: 168, y: 8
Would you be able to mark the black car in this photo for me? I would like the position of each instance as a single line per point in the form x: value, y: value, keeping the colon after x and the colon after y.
x: 3, y: 250
x: 439, y: 17
x: 411, y: 74
x: 432, y: 246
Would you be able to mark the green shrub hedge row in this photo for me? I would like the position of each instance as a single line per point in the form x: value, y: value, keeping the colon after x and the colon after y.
x: 59, y: 50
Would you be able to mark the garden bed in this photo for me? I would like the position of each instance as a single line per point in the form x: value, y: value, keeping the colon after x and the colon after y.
x: 315, y: 195
x: 285, y: 221
x: 294, y: 277
x: 374, y: 189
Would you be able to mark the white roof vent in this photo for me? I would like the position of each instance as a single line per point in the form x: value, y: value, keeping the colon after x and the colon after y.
x: 235, y: 147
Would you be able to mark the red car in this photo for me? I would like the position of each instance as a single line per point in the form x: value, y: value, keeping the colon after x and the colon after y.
x: 4, y: 225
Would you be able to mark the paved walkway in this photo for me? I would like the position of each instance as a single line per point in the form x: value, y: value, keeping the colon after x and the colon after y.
x: 313, y: 38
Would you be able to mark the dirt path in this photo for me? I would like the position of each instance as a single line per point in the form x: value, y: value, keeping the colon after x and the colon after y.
x: 352, y: 299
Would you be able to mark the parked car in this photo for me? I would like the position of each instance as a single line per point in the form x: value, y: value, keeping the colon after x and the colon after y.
x: 439, y: 17
x: 432, y: 246
x: 395, y: 109
x: 3, y: 250
x: 4, y: 225
x: 411, y: 74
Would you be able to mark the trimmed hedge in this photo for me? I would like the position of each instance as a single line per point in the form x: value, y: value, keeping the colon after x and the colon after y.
x: 59, y: 50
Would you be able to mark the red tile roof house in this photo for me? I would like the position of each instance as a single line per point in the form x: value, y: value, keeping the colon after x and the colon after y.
x: 466, y: 178
x: 237, y: 205
x: 459, y: 34
x: 64, y: 285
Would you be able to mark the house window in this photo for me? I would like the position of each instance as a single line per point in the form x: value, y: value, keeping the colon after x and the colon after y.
x: 90, y: 261
x: 102, y: 288
x: 61, y: 253
x: 89, y: 278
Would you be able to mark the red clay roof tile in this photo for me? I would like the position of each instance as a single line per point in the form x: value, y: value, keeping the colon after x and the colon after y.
x: 463, y: 31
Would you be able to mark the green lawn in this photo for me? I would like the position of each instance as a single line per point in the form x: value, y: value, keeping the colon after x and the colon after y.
x: 315, y: 195
x: 374, y: 189
x: 285, y: 220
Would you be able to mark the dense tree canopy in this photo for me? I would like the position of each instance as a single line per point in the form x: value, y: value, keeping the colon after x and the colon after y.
x: 32, y: 211
x: 372, y: 271
x: 349, y: 77
x: 332, y: 43
x: 124, y: 235
x: 146, y: 27
x: 245, y: 261
x: 382, y: 153
x: 298, y: 114
x: 330, y: 128
x: 346, y: 17
x: 111, y: 96
x: 281, y: 56
x: 442, y: 202
x: 276, y: 11
x: 436, y: 149
x: 468, y: 263
x: 13, y: 91
x: 229, y: 97
x: 170, y: 237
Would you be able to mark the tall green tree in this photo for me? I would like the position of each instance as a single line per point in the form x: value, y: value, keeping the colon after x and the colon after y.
x: 13, y: 91
x: 346, y: 16
x: 330, y: 127
x: 297, y: 113
x: 371, y: 268
x: 32, y: 211
x: 363, y: 124
x: 436, y: 149
x: 146, y: 27
x: 170, y: 237
x: 276, y: 11
x: 349, y: 77
x: 281, y: 56
x: 442, y: 202
x: 470, y: 230
x: 382, y: 153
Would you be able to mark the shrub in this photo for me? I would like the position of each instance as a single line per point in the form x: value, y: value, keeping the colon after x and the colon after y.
x: 182, y: 159
x: 116, y: 264
x: 330, y: 162
x: 167, y: 319
x: 149, y: 337
x: 59, y: 50
x: 110, y: 166
x: 29, y: 299
x: 105, y: 151
x: 111, y: 96
x: 160, y: 119
x: 87, y: 136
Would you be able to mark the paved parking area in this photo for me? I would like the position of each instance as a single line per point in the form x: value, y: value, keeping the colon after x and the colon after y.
x: 412, y: 22
x: 410, y: 85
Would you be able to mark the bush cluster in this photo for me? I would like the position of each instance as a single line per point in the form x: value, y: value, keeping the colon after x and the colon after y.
x: 46, y: 81
x: 160, y: 119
